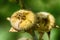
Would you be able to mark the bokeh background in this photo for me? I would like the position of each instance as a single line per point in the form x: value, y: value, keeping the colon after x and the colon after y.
x: 8, y: 7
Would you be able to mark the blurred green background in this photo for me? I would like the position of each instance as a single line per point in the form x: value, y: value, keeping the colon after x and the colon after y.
x: 8, y: 7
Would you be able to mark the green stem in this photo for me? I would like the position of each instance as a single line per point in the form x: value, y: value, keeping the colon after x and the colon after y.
x: 21, y: 3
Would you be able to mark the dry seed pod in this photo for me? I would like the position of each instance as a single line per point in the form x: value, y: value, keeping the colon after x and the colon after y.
x: 45, y: 21
x: 22, y: 20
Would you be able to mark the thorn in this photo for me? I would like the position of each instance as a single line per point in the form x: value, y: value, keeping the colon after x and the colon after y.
x: 8, y: 18
x: 57, y: 26
x: 12, y: 30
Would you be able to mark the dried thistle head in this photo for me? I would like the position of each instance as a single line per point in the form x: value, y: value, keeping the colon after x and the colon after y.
x: 22, y: 20
x: 45, y: 21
